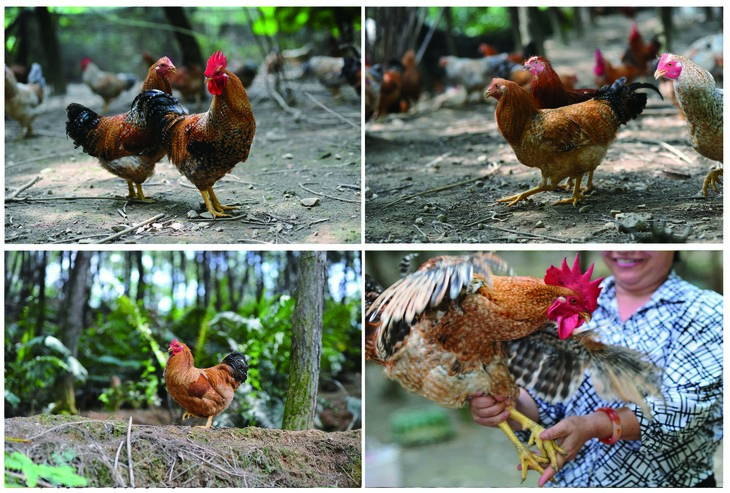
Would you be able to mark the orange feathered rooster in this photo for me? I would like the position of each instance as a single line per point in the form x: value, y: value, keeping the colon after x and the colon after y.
x: 454, y: 329
x: 203, y: 392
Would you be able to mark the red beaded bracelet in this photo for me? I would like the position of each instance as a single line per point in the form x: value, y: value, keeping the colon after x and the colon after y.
x: 615, y: 421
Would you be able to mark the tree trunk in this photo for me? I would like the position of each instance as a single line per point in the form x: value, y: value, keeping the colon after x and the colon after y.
x: 191, y: 54
x: 53, y: 63
x: 72, y: 324
x: 306, y: 346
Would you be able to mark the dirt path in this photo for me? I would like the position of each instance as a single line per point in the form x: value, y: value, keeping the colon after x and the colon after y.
x: 314, y: 156
x: 644, y: 192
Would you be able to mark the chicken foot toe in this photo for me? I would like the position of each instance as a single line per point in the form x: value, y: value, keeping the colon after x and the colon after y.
x: 212, y: 204
x: 513, y: 199
x: 528, y: 459
x: 713, y: 178
x: 548, y: 448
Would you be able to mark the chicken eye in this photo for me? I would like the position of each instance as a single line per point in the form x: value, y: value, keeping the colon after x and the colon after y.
x: 573, y: 301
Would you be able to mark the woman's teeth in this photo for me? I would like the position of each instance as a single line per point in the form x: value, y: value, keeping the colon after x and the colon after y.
x: 627, y: 262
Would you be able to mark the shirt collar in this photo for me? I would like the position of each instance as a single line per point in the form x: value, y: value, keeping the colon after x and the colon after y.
x: 667, y: 292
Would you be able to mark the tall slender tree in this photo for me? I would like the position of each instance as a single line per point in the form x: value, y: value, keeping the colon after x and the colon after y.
x: 306, y: 346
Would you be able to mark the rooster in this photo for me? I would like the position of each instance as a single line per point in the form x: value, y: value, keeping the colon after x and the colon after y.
x: 563, y: 142
x: 329, y: 71
x: 22, y: 101
x: 410, y: 81
x: 204, y: 146
x: 547, y: 87
x: 105, y: 84
x: 606, y: 73
x: 701, y: 102
x: 639, y: 53
x: 549, y: 91
x: 203, y: 392
x: 457, y: 327
x: 124, y: 144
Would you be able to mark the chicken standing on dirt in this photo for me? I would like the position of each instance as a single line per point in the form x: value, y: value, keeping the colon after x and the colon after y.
x: 204, y: 146
x: 22, y: 101
x: 563, y: 142
x: 106, y: 84
x: 456, y: 328
x: 701, y: 101
x: 124, y: 144
x: 203, y: 392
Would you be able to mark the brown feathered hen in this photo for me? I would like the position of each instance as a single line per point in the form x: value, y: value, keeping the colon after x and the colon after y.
x: 124, y: 144
x: 565, y: 142
x: 459, y: 327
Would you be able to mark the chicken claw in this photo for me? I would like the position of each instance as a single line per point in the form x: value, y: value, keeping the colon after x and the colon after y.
x: 548, y: 448
x: 188, y: 416
x: 213, y: 205
x: 713, y: 178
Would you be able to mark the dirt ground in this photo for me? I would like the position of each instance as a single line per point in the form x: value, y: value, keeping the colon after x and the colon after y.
x: 315, y: 154
x: 644, y: 191
x: 182, y: 456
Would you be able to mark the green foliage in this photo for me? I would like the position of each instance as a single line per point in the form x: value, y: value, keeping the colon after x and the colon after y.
x: 474, y: 21
x: 27, y: 473
x: 31, y: 375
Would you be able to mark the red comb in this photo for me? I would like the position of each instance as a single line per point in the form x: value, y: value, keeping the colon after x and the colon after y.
x: 572, y: 278
x: 217, y: 59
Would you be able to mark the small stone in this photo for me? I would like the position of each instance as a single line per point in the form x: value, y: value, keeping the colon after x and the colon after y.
x: 442, y: 218
x: 585, y: 208
x: 288, y: 155
x: 309, y: 202
x: 193, y: 214
x: 539, y: 224
x: 176, y: 226
x: 419, y: 221
x: 118, y: 227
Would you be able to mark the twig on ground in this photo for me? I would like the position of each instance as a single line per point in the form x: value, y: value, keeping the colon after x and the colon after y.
x: 673, y: 150
x: 331, y: 111
x: 129, y: 453
x: 440, y: 189
x: 329, y: 196
x: 524, y: 233
x: 38, y: 158
x: 116, y: 463
x: 24, y: 187
x: 130, y: 229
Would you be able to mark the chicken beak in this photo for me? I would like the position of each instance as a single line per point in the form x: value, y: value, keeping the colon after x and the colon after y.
x: 659, y: 73
x: 585, y: 316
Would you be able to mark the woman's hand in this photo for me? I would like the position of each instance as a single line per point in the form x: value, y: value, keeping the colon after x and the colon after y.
x: 572, y: 433
x: 488, y: 410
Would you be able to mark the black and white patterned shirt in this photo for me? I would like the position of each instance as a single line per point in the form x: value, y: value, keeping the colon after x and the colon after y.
x: 680, y: 328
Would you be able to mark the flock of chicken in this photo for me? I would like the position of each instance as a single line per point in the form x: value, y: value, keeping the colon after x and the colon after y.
x: 203, y: 147
x: 551, y: 125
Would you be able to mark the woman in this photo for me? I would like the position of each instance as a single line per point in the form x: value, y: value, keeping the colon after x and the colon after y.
x: 644, y: 305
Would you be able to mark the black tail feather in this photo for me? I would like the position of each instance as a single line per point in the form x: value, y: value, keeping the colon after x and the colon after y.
x: 81, y: 122
x: 625, y: 102
x: 239, y: 365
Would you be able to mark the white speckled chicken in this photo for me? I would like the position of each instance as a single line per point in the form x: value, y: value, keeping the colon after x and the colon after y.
x: 701, y: 101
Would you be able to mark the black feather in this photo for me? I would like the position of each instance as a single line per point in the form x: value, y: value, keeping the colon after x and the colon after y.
x: 239, y: 365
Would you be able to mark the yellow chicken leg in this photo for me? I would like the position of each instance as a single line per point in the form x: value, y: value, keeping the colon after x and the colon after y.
x: 548, y: 448
x: 577, y: 192
x: 713, y: 178
x: 513, y: 199
x: 528, y: 459
x: 137, y: 194
x: 213, y: 205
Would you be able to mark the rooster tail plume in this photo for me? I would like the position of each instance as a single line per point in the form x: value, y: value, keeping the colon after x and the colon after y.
x: 239, y: 365
x: 623, y: 99
x: 153, y: 106
x: 81, y: 121
x: 623, y: 374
